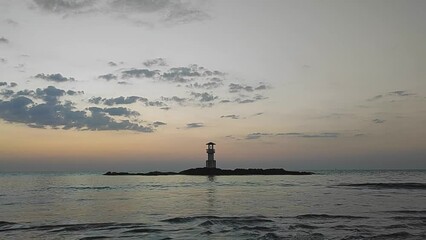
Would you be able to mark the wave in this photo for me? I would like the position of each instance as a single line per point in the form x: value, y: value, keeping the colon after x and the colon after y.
x: 410, y: 218
x: 221, y: 220
x: 411, y: 186
x: 352, y: 227
x: 270, y: 236
x: 257, y: 228
x: 94, y: 238
x: 3, y: 223
x: 208, y: 232
x: 83, y: 188
x: 74, y: 227
x: 144, y: 230
x: 253, y: 227
x: 420, y: 212
x: 396, y: 235
x: 302, y: 226
x: 326, y: 216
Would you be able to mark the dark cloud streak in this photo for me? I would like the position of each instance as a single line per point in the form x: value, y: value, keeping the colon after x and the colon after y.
x: 194, y: 125
x: 258, y: 135
x: 231, y: 116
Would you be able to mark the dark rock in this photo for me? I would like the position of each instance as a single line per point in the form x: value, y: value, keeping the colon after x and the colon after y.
x: 217, y: 172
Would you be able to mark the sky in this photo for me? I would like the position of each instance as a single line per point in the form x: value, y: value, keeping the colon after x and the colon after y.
x: 127, y: 85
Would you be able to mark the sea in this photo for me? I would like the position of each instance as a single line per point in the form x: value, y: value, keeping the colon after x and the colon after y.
x: 375, y: 204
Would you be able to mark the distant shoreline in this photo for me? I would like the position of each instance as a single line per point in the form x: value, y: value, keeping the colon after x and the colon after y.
x: 215, y: 172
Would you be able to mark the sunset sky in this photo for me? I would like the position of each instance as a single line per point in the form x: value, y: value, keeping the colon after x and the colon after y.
x: 143, y: 85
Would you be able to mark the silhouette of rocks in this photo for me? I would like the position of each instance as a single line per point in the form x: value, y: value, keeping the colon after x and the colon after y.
x: 217, y: 172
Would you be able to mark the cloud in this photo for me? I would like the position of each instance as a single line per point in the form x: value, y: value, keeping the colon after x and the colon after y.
x: 125, y: 100
x: 155, y: 62
x: 20, y: 67
x: 377, y: 97
x: 53, y: 113
x: 95, y: 100
x: 183, y: 13
x: 158, y: 123
x: 234, y: 87
x: 108, y: 77
x: 196, y: 77
x: 204, y: 97
x: 3, y: 60
x: 335, y: 115
x: 11, y: 22
x: 290, y: 134
x: 57, y: 77
x: 360, y: 135
x: 378, y: 121
x: 49, y: 94
x: 172, y: 11
x: 262, y: 87
x: 243, y: 100
x: 233, y: 137
x: 321, y: 135
x: 116, y: 111
x: 13, y: 84
x: 166, y: 11
x: 4, y: 40
x: 192, y: 73
x: 180, y: 74
x: 232, y: 116
x: 194, y: 125
x: 155, y: 103
x: 258, y: 135
x: 112, y: 64
x: 65, y: 6
x: 400, y: 93
x: 144, y: 6
x: 139, y: 73
x: 72, y: 93
x: 208, y: 85
x: 174, y: 99
x: 3, y: 84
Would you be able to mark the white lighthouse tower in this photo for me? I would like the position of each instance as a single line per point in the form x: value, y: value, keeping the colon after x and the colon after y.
x: 210, y: 163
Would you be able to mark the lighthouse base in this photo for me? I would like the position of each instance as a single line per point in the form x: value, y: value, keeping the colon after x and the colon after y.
x: 211, y: 164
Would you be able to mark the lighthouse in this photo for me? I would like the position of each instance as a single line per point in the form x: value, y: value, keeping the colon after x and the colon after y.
x: 210, y: 163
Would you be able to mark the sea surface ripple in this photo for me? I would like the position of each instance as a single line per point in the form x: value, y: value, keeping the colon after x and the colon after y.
x: 328, y: 205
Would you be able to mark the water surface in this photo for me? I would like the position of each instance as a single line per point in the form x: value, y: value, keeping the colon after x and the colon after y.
x: 328, y: 205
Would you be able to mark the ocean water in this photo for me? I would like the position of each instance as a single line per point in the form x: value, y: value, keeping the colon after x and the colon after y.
x: 328, y: 205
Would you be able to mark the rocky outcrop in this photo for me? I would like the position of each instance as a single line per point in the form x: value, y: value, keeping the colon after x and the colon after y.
x: 217, y: 172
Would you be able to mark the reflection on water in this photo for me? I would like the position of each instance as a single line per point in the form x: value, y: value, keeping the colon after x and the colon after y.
x: 211, y: 178
x: 211, y: 194
x: 368, y: 204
